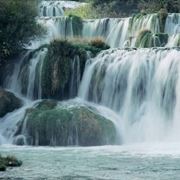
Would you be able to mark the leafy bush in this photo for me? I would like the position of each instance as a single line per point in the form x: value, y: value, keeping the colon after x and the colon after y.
x: 85, y: 12
x: 151, y: 6
x: 17, y: 26
x: 98, y: 43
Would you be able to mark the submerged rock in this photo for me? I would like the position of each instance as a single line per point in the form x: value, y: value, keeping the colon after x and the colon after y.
x: 66, y: 124
x: 8, y: 102
x: 9, y: 161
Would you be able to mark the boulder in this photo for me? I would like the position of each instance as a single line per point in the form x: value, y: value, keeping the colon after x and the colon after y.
x: 8, y: 102
x: 66, y: 124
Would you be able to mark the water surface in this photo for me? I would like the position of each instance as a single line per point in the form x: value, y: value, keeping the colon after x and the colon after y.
x: 129, y: 162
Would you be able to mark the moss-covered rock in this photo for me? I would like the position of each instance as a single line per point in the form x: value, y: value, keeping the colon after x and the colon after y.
x: 66, y: 124
x: 147, y: 39
x: 8, y: 102
x: 63, y: 67
x: 9, y: 161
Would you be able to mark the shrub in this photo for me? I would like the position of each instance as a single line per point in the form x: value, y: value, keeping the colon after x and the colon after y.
x: 98, y: 43
x: 85, y: 12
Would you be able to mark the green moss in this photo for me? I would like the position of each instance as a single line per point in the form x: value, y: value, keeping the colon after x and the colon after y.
x: 47, y: 104
x: 145, y: 39
x: 71, y: 124
x: 57, y: 66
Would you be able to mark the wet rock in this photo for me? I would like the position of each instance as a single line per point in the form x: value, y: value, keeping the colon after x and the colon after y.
x: 8, y: 102
x: 66, y: 124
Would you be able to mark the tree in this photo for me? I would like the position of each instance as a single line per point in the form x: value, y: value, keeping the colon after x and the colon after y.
x: 17, y: 26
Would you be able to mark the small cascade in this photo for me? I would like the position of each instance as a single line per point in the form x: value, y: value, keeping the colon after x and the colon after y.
x: 172, y: 27
x: 113, y: 31
x: 56, y: 8
x: 117, y: 32
x: 58, y: 27
x: 27, y: 75
x: 9, y: 124
x: 36, y: 77
x: 75, y: 77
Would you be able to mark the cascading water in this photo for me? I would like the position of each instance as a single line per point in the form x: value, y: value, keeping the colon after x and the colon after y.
x: 27, y: 73
x: 140, y: 85
x: 117, y: 32
x: 56, y: 8
x: 172, y: 27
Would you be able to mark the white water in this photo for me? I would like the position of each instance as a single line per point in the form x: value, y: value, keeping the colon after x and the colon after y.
x: 117, y: 32
x: 142, y: 86
x: 26, y: 73
x: 56, y: 8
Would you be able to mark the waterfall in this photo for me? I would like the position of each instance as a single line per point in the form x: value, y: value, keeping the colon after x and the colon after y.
x: 172, y: 27
x: 56, y: 8
x: 117, y: 32
x: 140, y: 85
x: 75, y: 77
x: 27, y: 74
x: 136, y: 82
x: 30, y: 73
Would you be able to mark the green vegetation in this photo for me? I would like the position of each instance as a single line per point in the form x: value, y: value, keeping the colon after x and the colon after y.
x: 122, y: 8
x: 152, y: 6
x: 57, y: 66
x: 147, y: 39
x: 67, y: 124
x: 17, y: 26
x: 9, y: 161
x: 85, y: 12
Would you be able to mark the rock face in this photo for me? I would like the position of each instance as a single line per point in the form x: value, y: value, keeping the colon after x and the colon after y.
x: 64, y: 65
x: 66, y: 124
x: 8, y: 102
